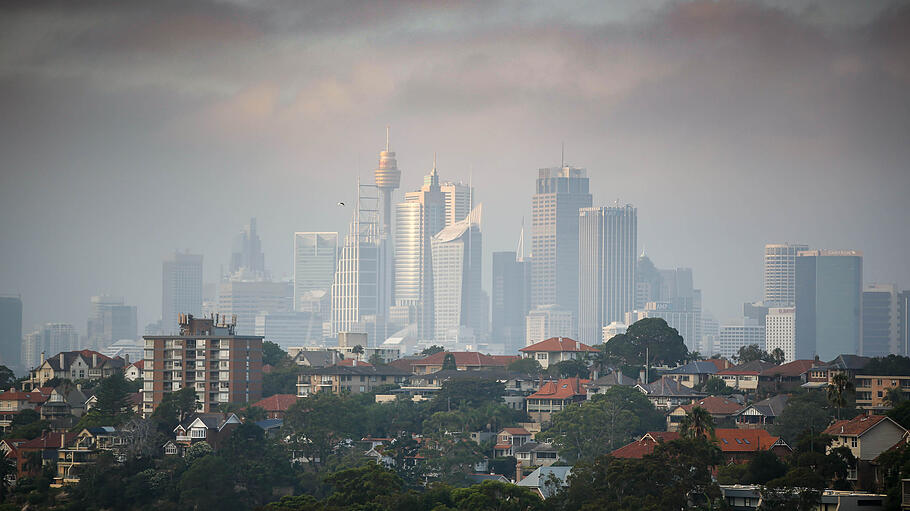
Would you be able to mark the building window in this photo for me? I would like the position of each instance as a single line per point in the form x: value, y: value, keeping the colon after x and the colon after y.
x: 853, y: 441
x: 197, y: 433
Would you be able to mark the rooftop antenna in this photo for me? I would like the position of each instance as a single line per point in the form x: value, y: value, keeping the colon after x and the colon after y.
x: 520, y: 252
x: 562, y: 155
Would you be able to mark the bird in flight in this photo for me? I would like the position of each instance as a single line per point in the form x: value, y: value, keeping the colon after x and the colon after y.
x: 341, y: 204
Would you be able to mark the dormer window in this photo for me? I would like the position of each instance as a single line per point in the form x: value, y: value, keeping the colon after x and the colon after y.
x: 197, y: 433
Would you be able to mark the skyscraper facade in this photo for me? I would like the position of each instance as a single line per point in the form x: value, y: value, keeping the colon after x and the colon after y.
x: 903, y: 314
x: 48, y: 340
x: 458, y: 299
x: 780, y: 331
x: 357, y: 296
x: 459, y: 200
x: 733, y: 337
x: 829, y: 287
x: 548, y: 321
x: 560, y: 193
x: 247, y: 256
x: 420, y: 217
x: 244, y: 299
x: 607, y: 241
x: 315, y: 258
x: 181, y: 291
x: 881, y: 321
x: 509, y: 300
x: 10, y: 331
x: 110, y: 320
x: 779, y: 281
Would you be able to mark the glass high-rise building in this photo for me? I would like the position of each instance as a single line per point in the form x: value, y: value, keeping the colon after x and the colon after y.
x: 881, y: 321
x: 607, y: 247
x: 779, y: 281
x: 559, y: 194
x: 458, y: 299
x: 246, y: 255
x: 111, y: 320
x: 509, y: 300
x: 315, y: 257
x: 829, y: 286
x: 181, y: 290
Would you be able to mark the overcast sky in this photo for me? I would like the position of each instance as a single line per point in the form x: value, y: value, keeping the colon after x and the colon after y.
x: 131, y: 129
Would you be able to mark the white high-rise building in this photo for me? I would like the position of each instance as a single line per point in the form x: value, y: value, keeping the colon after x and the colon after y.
x: 458, y: 299
x: 780, y: 331
x: 420, y: 217
x: 459, y: 199
x: 315, y: 258
x: 607, y: 249
x: 548, y: 321
x: 780, y: 274
x: 181, y: 291
x: 732, y: 337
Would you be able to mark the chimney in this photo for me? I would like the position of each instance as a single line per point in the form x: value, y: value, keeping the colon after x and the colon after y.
x: 61, y: 360
x: 42, y: 356
x: 63, y: 440
x: 518, y: 472
x: 94, y: 359
x: 126, y: 358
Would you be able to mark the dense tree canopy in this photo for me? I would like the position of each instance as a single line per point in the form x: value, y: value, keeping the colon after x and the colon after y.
x: 272, y: 353
x: 663, y: 344
x: 525, y: 365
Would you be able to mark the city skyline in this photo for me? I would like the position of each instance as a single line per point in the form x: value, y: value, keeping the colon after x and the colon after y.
x: 721, y: 139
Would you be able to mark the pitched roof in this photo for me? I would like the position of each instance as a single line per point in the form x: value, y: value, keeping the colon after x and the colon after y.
x: 848, y: 362
x: 139, y: 364
x: 211, y: 420
x: 70, y: 356
x: 772, y: 406
x: 645, y: 444
x: 720, y: 363
x: 32, y: 397
x: 857, y: 426
x: 557, y: 344
x: 695, y: 367
x: 516, y: 431
x: 715, y: 405
x: 668, y: 387
x: 541, y: 475
x: 565, y: 388
x: 49, y: 441
x: 790, y: 369
x: 753, y: 367
x: 744, y: 440
x: 277, y: 402
x: 350, y: 362
x: 612, y: 378
x: 462, y: 358
x: 358, y: 370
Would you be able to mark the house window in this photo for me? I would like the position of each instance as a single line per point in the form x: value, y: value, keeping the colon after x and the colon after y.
x: 197, y: 433
x: 541, y: 356
x: 170, y: 449
x: 853, y: 441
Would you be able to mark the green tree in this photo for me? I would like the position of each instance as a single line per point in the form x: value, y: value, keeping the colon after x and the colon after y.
x: 113, y: 407
x: 360, y: 487
x: 315, y: 425
x: 805, y: 411
x: 376, y: 360
x: 7, y: 475
x: 697, y: 423
x: 715, y: 386
x: 653, y: 336
x: 901, y: 414
x: 778, y: 356
x: 836, y: 392
x: 24, y: 418
x: 358, y: 351
x: 764, y: 467
x: 894, y: 396
x: 432, y: 350
x: 7, y: 378
x: 208, y: 484
x: 525, y: 365
x: 896, y: 365
x: 448, y: 362
x: 197, y: 451
x: 592, y: 428
x: 272, y: 354
x: 470, y: 392
x: 496, y: 495
x: 175, y: 407
x: 752, y: 353
x: 572, y: 368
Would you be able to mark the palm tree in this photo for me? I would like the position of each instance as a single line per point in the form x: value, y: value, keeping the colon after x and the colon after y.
x: 698, y: 423
x: 837, y: 392
x: 357, y: 350
x: 893, y: 396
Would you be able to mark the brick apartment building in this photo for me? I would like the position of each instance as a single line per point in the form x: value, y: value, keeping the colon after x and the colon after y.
x: 220, y: 366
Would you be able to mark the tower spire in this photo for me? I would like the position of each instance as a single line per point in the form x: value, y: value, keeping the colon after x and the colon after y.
x: 562, y: 155
x: 386, y: 138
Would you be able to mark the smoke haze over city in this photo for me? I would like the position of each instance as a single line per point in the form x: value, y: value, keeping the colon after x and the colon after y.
x: 132, y: 129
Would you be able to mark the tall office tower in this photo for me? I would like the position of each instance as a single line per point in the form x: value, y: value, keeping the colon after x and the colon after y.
x: 358, y: 304
x: 903, y: 314
x: 459, y: 200
x: 780, y: 331
x: 288, y: 329
x: 110, y: 320
x: 881, y: 321
x: 420, y: 217
x: 607, y: 248
x: 710, y: 329
x: 780, y: 274
x: 458, y: 300
x: 509, y: 300
x: 315, y: 258
x: 181, y: 291
x: 548, y: 321
x: 732, y: 337
x: 247, y: 298
x: 829, y: 286
x: 10, y: 331
x: 755, y: 311
x: 207, y: 356
x: 48, y: 340
x: 560, y: 193
x: 247, y: 257
x: 647, y: 282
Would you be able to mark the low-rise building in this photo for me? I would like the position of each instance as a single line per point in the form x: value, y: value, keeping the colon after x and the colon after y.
x: 545, y: 481
x: 737, y: 445
x: 29, y: 465
x: 12, y: 402
x: 510, y: 439
x: 667, y: 394
x: 692, y: 374
x: 74, y: 365
x: 212, y: 428
x: 276, y: 406
x: 82, y: 452
x: 762, y: 414
x: 867, y: 436
x: 606, y: 382
x: 557, y: 349
x: 536, y: 454
x: 464, y: 361
x: 721, y: 409
x: 352, y: 379
x: 744, y: 376
x: 555, y: 396
x: 871, y: 389
x: 786, y: 377
x: 133, y: 371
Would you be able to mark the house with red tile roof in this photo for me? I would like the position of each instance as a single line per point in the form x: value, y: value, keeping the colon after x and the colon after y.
x: 786, y: 377
x: 12, y: 402
x: 720, y: 408
x: 557, y: 349
x: 464, y: 361
x: 737, y: 445
x: 554, y: 396
x: 29, y: 464
x: 509, y: 439
x: 867, y: 436
x: 276, y: 406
